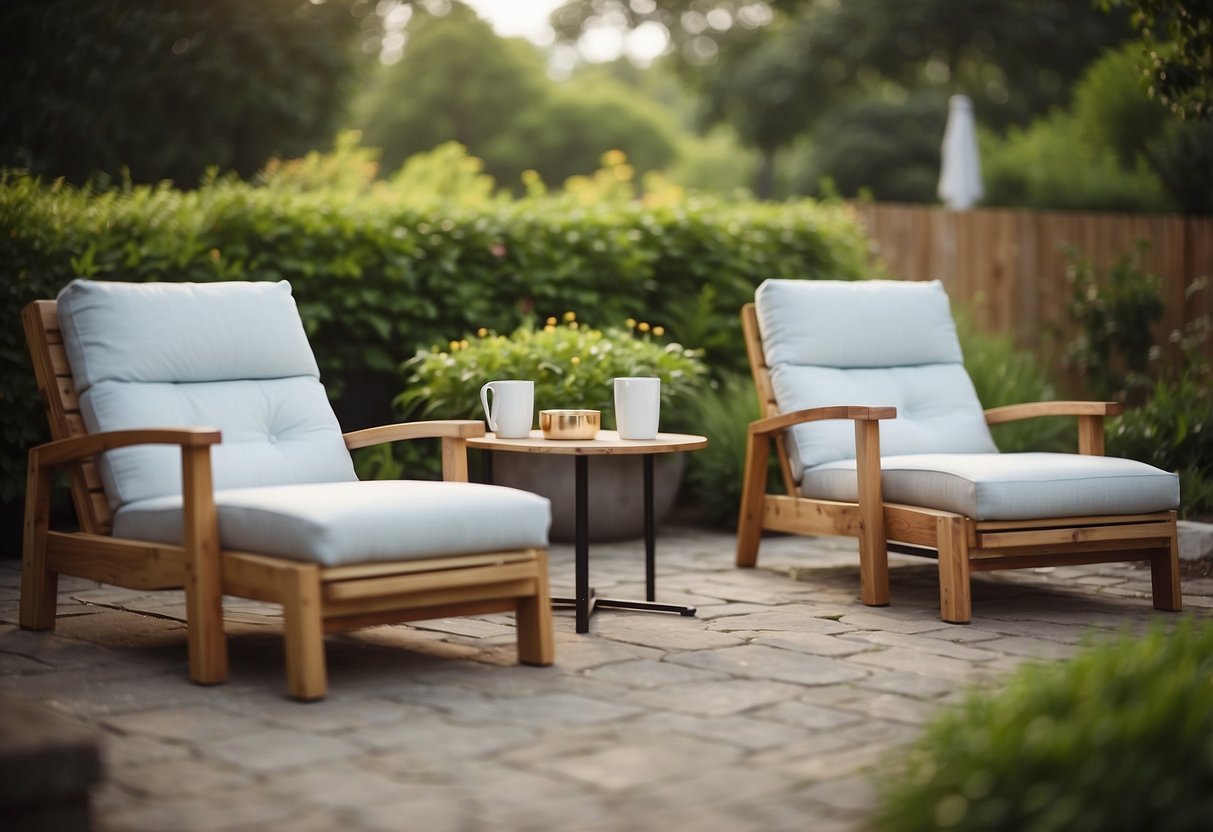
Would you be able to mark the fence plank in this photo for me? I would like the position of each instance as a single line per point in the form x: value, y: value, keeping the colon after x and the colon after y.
x: 1009, y: 267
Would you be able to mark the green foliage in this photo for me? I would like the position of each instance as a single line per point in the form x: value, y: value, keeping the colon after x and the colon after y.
x: 714, y: 474
x: 1118, y: 738
x: 1049, y: 165
x: 572, y: 365
x: 1115, y: 312
x: 1112, y: 110
x: 167, y: 90
x: 1176, y: 51
x: 376, y: 278
x: 1183, y: 159
x: 851, y: 147
x: 1005, y: 374
x: 459, y: 82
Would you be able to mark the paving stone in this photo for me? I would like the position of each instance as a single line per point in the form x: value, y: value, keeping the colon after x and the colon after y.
x: 277, y: 750
x: 120, y: 750
x: 180, y: 776
x: 893, y: 623
x: 795, y: 618
x: 936, y: 646
x: 732, y: 729
x: 641, y: 673
x: 416, y: 736
x: 1032, y: 648
x: 627, y: 765
x: 185, y: 724
x: 807, y: 715
x: 545, y: 709
x: 914, y: 661
x: 466, y: 627
x: 853, y: 794
x: 661, y: 632
x: 730, y: 696
x: 908, y: 684
x: 894, y: 707
x: 759, y: 662
x: 814, y: 643
x: 246, y: 807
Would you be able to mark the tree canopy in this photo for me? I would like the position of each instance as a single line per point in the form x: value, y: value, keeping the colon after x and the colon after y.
x: 166, y: 89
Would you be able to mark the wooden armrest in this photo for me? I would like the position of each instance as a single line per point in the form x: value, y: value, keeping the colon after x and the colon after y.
x: 75, y: 448
x: 433, y: 429
x: 1029, y: 410
x: 774, y: 424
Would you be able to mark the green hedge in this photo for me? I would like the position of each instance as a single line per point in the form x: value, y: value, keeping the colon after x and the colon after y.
x: 377, y: 278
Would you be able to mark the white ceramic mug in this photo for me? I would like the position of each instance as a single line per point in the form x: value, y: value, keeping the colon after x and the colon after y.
x: 513, y: 408
x: 637, y: 407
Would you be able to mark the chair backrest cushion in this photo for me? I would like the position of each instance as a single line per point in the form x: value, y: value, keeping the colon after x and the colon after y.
x: 872, y: 342
x: 233, y: 356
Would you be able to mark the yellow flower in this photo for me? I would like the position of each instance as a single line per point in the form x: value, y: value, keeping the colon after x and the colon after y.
x: 463, y: 345
x: 614, y: 157
x: 454, y: 345
x: 631, y: 323
x: 482, y: 332
x: 550, y: 328
x: 659, y: 330
x: 575, y: 360
x: 214, y: 254
x: 643, y: 326
x: 573, y: 325
x: 530, y: 177
x: 550, y: 322
x: 570, y: 316
x: 624, y: 173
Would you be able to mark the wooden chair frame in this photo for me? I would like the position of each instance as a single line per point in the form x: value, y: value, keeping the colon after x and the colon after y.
x: 315, y: 599
x: 961, y: 544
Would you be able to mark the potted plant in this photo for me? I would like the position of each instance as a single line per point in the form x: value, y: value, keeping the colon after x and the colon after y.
x: 573, y: 366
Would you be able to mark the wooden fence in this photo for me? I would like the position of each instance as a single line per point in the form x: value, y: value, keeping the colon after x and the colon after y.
x: 1009, y: 267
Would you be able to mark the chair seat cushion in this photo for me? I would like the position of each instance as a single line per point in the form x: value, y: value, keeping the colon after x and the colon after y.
x: 356, y: 522
x: 1024, y: 486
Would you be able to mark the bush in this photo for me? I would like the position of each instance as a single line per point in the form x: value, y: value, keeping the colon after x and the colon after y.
x: 1119, y: 738
x: 714, y: 474
x: 572, y: 365
x: 377, y: 277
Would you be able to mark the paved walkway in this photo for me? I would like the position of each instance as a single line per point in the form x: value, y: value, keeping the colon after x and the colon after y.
x: 765, y: 712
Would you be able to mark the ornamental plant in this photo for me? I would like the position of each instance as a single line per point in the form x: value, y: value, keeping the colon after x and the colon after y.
x: 572, y: 365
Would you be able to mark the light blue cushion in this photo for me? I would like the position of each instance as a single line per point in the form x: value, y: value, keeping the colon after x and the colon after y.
x: 937, y: 410
x: 871, y: 342
x: 849, y: 324
x: 339, y: 523
x: 1025, y: 486
x: 275, y: 431
x: 231, y: 356
x: 182, y: 332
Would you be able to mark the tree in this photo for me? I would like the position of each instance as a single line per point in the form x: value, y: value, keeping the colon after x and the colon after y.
x: 164, y: 89
x: 458, y: 81
x: 1177, y: 41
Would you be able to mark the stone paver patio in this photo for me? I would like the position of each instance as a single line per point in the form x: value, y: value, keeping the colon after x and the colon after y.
x: 766, y: 711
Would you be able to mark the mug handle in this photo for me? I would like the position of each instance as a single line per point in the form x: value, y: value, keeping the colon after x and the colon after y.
x: 484, y: 402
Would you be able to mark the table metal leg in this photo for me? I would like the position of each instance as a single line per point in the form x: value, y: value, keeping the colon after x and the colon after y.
x: 650, y: 533
x: 582, y: 502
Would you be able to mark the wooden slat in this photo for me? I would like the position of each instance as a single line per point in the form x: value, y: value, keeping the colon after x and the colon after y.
x: 1083, y: 534
x: 128, y: 563
x: 1142, y: 543
x: 356, y: 622
x: 59, y: 363
x: 425, y: 582
x: 405, y: 567
x: 802, y: 516
x: 434, y: 598
x: 1067, y: 522
x: 1071, y: 559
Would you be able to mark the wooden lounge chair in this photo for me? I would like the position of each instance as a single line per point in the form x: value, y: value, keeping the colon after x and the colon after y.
x: 922, y: 473
x: 272, y: 512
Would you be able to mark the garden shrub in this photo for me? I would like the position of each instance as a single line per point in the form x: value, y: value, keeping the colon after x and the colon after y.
x: 1118, y: 738
x: 377, y: 277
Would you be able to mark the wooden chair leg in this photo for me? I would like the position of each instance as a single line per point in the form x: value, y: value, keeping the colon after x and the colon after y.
x: 39, y: 585
x: 203, y: 572
x: 1164, y: 575
x: 873, y: 547
x: 955, y: 602
x: 303, y: 621
x: 536, y: 640
x: 753, y: 489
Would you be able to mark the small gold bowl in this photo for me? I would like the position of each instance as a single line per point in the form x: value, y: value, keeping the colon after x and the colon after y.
x: 569, y: 424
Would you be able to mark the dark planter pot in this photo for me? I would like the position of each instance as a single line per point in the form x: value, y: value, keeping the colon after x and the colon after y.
x: 616, y: 490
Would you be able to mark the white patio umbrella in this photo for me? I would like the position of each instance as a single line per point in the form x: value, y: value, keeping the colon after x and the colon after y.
x: 960, y: 171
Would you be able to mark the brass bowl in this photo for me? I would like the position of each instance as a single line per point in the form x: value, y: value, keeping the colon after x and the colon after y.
x: 569, y: 424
